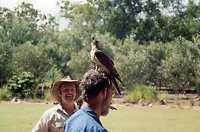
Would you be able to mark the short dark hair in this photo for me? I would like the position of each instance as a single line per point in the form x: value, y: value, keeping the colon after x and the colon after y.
x: 92, y: 83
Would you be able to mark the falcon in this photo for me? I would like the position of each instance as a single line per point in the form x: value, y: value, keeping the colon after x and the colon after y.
x: 103, y: 61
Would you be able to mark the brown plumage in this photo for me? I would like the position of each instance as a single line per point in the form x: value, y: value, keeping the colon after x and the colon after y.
x: 103, y: 61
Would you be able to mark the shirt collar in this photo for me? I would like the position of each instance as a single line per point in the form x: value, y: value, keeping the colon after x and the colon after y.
x: 59, y: 108
x: 90, y: 112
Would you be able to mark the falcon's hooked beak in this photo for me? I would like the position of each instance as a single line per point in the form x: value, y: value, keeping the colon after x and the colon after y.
x: 95, y: 44
x: 94, y: 41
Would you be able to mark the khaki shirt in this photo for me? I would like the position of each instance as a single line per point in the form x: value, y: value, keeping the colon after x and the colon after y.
x: 52, y: 120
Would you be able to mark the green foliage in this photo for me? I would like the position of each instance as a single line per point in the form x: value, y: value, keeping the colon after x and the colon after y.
x: 133, y: 69
x: 82, y: 16
x: 53, y: 75
x: 30, y: 58
x: 5, y: 61
x: 133, y: 97
x: 119, y: 17
x: 132, y: 63
x: 48, y: 96
x: 164, y: 96
x: 4, y: 93
x: 22, y: 85
x: 139, y: 92
x: 58, y: 56
x: 26, y: 24
x: 156, y: 53
x: 80, y: 63
x: 186, y: 22
x: 180, y: 68
x: 150, y: 20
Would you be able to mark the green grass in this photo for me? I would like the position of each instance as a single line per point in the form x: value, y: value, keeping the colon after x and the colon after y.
x: 23, y: 117
x: 147, y: 119
x: 20, y: 117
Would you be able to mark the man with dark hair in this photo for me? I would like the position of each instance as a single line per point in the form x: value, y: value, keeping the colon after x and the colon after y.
x: 97, y: 95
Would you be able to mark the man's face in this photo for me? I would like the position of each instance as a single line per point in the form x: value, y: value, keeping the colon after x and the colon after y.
x: 68, y: 92
x: 107, y: 102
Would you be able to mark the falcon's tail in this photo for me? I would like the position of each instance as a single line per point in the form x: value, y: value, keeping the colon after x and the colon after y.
x: 115, y: 84
x: 118, y: 78
x: 115, y: 74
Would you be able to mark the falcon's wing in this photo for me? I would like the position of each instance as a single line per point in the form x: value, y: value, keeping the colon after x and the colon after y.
x: 108, y: 63
x: 104, y: 59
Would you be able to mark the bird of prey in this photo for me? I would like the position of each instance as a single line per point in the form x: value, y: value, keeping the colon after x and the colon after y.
x: 103, y: 61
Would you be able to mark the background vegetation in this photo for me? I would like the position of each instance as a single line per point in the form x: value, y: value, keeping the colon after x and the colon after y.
x: 152, y: 43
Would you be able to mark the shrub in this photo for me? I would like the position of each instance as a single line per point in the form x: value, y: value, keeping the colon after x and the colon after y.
x: 149, y: 93
x: 133, y: 96
x: 139, y: 92
x: 22, y: 85
x: 48, y: 96
x: 164, y: 96
x: 39, y: 94
x: 4, y: 93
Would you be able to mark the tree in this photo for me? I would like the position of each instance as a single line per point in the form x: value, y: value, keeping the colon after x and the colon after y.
x: 146, y: 20
x: 185, y: 20
x: 81, y: 15
x: 118, y: 17
x: 5, y: 62
x: 156, y: 54
x: 30, y: 58
x: 6, y: 18
x: 26, y: 24
x: 79, y: 64
x: 180, y: 68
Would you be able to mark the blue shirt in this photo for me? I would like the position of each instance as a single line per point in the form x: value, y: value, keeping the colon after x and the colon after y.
x: 84, y: 120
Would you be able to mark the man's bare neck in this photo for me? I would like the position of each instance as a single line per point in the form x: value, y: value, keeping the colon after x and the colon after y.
x: 68, y: 107
x: 94, y: 107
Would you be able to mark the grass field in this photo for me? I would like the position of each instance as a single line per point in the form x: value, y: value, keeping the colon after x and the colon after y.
x: 23, y: 117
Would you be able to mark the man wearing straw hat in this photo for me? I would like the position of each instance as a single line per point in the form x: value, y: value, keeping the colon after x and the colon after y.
x: 65, y: 91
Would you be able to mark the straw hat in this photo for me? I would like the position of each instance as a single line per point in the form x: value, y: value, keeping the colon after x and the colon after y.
x: 57, y: 85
